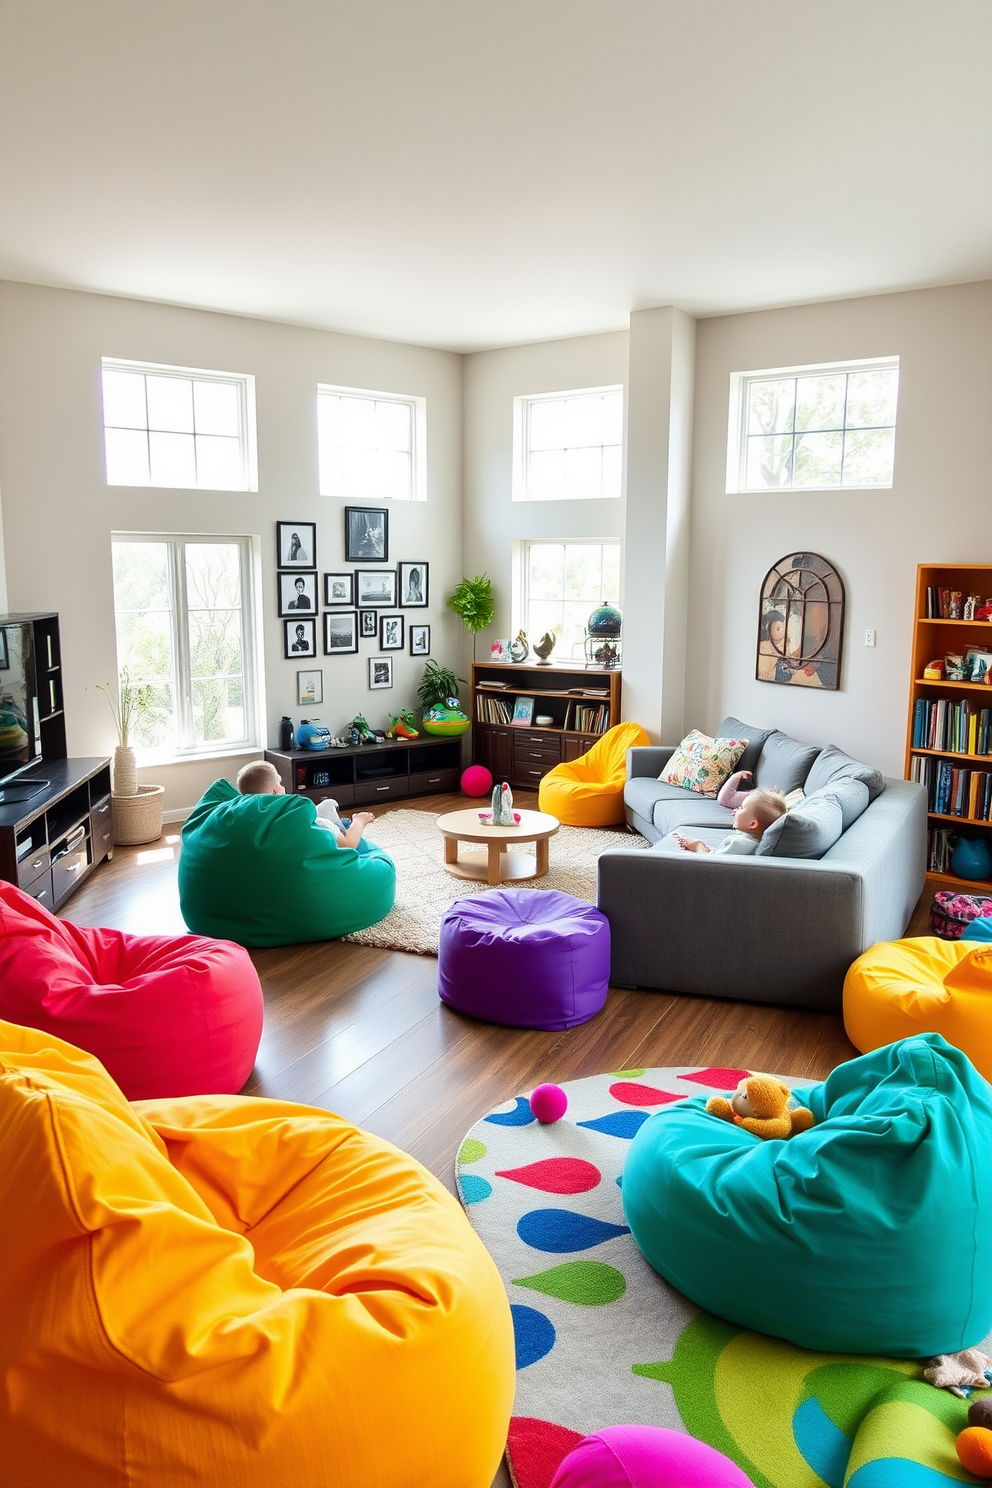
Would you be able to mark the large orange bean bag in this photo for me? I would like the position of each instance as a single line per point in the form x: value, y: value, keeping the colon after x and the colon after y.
x: 229, y: 1291
x: 588, y: 791
x: 923, y: 985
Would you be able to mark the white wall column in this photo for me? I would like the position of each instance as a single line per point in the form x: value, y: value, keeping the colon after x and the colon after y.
x: 656, y: 536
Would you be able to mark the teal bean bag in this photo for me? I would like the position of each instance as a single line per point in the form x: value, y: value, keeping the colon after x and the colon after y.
x: 869, y: 1234
x: 255, y: 869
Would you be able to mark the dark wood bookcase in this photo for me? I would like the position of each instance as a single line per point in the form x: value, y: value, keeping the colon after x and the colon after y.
x: 569, y: 695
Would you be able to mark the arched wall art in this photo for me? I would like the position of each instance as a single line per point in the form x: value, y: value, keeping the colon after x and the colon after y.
x: 801, y: 623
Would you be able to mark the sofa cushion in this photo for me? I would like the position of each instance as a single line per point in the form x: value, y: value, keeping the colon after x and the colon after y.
x: 642, y: 793
x: 832, y: 764
x: 808, y: 830
x: 784, y: 763
x: 702, y: 764
x: 732, y: 728
x: 852, y: 795
x: 691, y: 811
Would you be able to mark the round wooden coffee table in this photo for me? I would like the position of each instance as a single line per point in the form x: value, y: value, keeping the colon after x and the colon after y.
x: 496, y: 862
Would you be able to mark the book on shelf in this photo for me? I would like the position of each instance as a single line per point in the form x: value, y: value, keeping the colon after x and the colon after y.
x: 940, y: 845
x: 493, y: 709
x: 523, y: 712
x: 590, y: 718
x: 953, y: 790
x: 955, y: 725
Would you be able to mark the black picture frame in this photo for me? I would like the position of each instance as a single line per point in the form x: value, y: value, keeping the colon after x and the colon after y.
x: 414, y: 585
x: 306, y: 544
x: 340, y: 632
x: 291, y: 638
x: 366, y: 534
x: 291, y: 594
x: 392, y: 632
x: 339, y: 588
x: 369, y: 624
x: 375, y: 588
x: 420, y: 640
x: 380, y: 672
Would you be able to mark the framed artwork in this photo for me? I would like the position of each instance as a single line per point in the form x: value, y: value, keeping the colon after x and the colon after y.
x: 309, y: 687
x: 369, y: 623
x: 297, y: 591
x: 420, y: 640
x: 977, y: 665
x: 380, y: 672
x: 339, y: 589
x: 523, y: 712
x: 801, y: 623
x: 413, y: 585
x: 299, y: 638
x: 376, y: 588
x: 340, y: 632
x: 391, y: 632
x: 296, y: 544
x: 366, y: 534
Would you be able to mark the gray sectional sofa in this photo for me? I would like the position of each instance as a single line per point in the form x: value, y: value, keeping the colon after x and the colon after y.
x: 843, y: 870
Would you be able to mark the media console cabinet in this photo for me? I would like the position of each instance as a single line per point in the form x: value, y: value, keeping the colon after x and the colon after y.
x: 361, y: 774
x: 50, y: 843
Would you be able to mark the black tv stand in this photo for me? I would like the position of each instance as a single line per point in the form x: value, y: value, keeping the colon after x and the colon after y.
x: 50, y: 843
x: 21, y: 790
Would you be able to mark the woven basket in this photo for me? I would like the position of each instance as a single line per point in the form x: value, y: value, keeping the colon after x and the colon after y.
x: 138, y: 818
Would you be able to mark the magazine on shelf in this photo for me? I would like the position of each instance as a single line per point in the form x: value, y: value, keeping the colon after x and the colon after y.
x: 523, y: 712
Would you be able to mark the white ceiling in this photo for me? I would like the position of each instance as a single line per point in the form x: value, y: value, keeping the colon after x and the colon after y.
x: 470, y: 173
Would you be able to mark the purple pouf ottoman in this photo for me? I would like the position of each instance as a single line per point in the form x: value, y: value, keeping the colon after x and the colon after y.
x: 530, y: 958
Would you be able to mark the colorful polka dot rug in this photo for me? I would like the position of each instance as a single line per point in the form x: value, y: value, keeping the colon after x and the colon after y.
x: 603, y: 1340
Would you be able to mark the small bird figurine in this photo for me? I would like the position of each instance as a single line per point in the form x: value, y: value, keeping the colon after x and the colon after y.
x: 544, y: 647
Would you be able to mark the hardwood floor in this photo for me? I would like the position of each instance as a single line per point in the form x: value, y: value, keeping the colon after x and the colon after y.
x: 361, y: 1031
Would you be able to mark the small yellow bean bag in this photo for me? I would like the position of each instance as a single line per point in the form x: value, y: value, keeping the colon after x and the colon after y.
x: 232, y: 1291
x: 588, y: 791
x: 923, y: 985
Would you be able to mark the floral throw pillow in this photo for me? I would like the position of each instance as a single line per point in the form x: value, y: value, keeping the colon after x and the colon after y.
x: 702, y: 764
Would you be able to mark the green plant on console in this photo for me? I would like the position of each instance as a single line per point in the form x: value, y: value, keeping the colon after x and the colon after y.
x: 438, y: 684
x: 474, y: 603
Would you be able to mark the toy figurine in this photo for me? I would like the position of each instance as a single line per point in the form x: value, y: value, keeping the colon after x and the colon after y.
x: 403, y: 725
x: 503, y: 814
x: 519, y: 648
x: 544, y: 647
x: 763, y: 1106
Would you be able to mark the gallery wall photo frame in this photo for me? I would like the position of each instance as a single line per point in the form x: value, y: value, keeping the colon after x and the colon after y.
x: 380, y: 672
x: 339, y: 588
x: 366, y: 534
x: 420, y: 640
x: 414, y: 585
x: 391, y: 632
x: 375, y: 588
x: 369, y: 624
x: 299, y: 638
x: 296, y: 544
x: 309, y: 687
x: 297, y: 593
x: 340, y: 632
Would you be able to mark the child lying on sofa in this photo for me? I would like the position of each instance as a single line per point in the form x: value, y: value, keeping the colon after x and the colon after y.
x: 757, y: 812
x: 261, y: 778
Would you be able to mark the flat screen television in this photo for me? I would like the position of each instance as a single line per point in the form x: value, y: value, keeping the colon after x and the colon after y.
x: 20, y: 728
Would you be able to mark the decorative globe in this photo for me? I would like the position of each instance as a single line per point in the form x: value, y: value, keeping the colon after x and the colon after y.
x: 605, y: 621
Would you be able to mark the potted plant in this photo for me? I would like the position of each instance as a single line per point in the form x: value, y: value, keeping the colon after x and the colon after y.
x: 474, y: 603
x: 438, y: 685
x: 137, y: 808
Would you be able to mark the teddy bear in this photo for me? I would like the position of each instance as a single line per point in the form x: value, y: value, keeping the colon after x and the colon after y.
x: 761, y: 1105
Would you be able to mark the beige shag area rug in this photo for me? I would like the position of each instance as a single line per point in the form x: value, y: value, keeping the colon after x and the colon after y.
x: 424, y: 890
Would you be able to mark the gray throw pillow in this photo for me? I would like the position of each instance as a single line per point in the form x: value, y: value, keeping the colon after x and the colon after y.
x: 807, y: 831
x: 732, y: 728
x: 785, y: 763
x: 852, y: 795
x: 832, y: 764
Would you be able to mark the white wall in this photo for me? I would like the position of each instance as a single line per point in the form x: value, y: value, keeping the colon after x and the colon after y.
x: 937, y: 511
x: 58, y: 513
x: 493, y: 521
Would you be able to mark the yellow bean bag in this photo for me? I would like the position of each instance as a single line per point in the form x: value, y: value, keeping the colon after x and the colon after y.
x: 231, y: 1291
x: 904, y: 987
x: 588, y: 791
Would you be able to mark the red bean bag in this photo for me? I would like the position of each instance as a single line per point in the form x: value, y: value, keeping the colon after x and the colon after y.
x: 167, y: 1015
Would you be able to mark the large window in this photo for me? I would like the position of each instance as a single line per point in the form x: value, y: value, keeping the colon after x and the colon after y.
x: 185, y: 633
x: 568, y: 446
x: 813, y: 427
x: 177, y: 426
x: 371, y: 445
x: 562, y: 584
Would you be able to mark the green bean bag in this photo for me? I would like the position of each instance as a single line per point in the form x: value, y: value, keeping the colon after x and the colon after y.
x: 255, y: 869
x: 869, y: 1234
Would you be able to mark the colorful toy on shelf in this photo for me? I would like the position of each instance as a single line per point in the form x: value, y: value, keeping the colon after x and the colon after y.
x: 934, y: 670
x: 476, y: 781
x: 548, y: 1103
x: 359, y: 732
x: 446, y: 718
x: 402, y: 725
x: 764, y: 1107
x: 502, y: 803
x: 312, y: 734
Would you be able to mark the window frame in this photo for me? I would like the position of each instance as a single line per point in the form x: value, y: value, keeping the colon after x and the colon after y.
x: 182, y: 679
x: 521, y: 584
x: 417, y: 404
x: 522, y: 406
x: 740, y: 384
x: 247, y: 427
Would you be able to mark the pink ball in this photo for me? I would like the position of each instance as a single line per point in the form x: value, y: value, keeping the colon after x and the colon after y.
x: 477, y: 781
x: 549, y: 1103
x: 651, y: 1457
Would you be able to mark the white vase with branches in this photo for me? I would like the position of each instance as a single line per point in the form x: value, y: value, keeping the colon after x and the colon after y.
x: 130, y: 699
